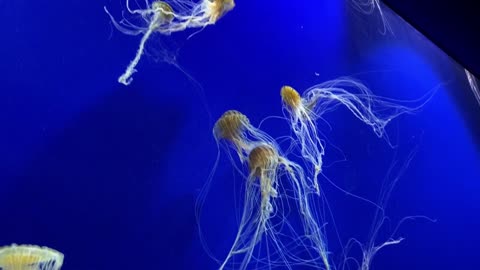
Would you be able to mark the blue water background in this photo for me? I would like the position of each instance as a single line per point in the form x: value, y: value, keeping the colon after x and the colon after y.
x: 109, y: 174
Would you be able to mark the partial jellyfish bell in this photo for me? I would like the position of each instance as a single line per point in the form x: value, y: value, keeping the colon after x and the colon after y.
x: 29, y: 257
x: 219, y: 8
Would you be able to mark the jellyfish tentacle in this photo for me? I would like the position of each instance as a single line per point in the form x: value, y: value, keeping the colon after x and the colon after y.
x: 160, y: 17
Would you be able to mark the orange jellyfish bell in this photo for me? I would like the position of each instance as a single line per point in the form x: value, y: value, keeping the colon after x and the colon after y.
x: 290, y: 97
x: 262, y: 158
x: 219, y: 8
x: 230, y: 126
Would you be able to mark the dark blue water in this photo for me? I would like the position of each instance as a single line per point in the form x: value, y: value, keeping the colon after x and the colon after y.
x: 109, y: 174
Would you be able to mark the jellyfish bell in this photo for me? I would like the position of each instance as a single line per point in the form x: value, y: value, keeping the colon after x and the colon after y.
x: 164, y: 18
x: 263, y: 162
x: 230, y: 126
x: 290, y: 97
x: 262, y: 158
x: 164, y: 9
x: 29, y: 257
x: 219, y: 8
x: 235, y: 128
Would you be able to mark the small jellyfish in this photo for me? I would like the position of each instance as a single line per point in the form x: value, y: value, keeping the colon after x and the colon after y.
x: 262, y: 203
x: 29, y: 257
x: 231, y: 127
x: 164, y: 18
x: 263, y: 162
x: 302, y: 121
x: 266, y: 196
x: 304, y: 110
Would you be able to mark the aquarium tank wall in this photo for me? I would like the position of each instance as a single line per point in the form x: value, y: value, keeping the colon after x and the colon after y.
x: 215, y: 134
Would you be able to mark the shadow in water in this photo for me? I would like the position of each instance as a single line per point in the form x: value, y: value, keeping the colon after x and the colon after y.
x: 88, y: 192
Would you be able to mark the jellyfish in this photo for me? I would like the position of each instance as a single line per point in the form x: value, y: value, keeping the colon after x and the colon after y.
x: 273, y: 186
x: 375, y: 111
x: 303, y: 125
x: 305, y: 110
x: 29, y: 257
x: 263, y: 162
x: 164, y: 18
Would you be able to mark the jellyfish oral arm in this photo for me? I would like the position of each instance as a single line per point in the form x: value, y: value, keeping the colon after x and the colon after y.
x: 126, y: 77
